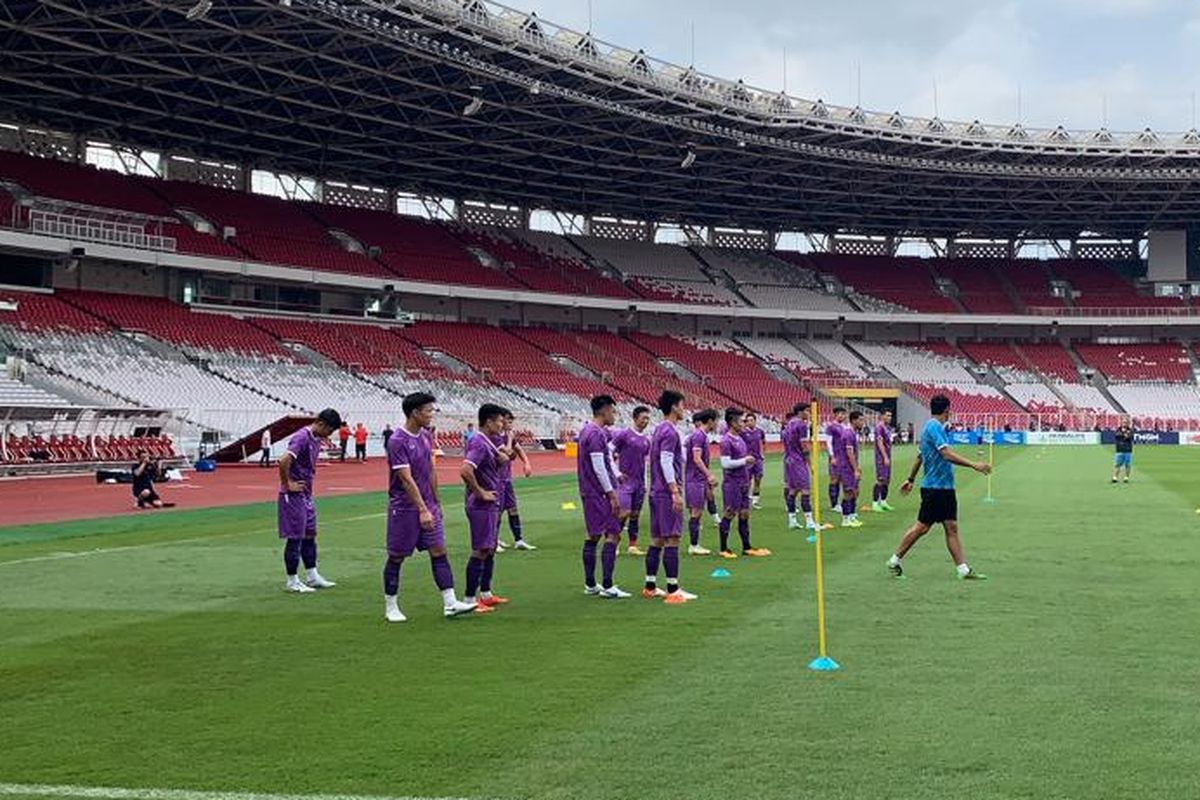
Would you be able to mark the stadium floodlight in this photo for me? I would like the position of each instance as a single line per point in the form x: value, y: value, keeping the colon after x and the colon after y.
x: 688, y: 159
x: 476, y: 105
x: 199, y: 10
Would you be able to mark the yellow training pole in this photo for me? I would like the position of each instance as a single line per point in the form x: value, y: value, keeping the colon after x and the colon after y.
x: 822, y: 663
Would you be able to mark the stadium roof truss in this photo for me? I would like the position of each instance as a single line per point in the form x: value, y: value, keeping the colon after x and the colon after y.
x: 466, y: 98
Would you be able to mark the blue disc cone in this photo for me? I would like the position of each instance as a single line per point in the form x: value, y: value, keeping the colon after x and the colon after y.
x: 824, y: 664
x: 721, y: 572
x: 811, y: 539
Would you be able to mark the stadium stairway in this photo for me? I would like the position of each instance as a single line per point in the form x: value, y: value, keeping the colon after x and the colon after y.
x: 1010, y: 291
x: 719, y: 277
x: 251, y: 444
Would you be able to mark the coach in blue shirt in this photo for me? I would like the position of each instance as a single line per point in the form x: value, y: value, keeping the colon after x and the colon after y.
x: 939, y: 503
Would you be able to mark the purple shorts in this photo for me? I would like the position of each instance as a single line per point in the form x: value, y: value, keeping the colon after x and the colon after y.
x: 665, y: 521
x: 883, y: 473
x: 695, y: 493
x: 405, y: 534
x: 598, y: 516
x: 484, y: 523
x: 849, y: 481
x: 507, y: 497
x: 297, y: 516
x: 797, y: 477
x: 736, y: 496
x: 756, y: 469
x: 631, y: 498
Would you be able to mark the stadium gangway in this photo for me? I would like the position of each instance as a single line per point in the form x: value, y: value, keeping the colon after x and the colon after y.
x: 251, y: 444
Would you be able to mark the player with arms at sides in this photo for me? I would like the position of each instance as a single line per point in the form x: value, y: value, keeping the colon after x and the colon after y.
x: 1123, y: 444
x: 938, y: 500
x: 699, y: 481
x: 481, y: 472
x: 631, y: 446
x: 851, y: 470
x: 797, y: 467
x: 666, y: 502
x: 414, y: 519
x: 754, y: 437
x: 508, y: 444
x: 598, y: 491
x: 736, y: 469
x: 835, y: 432
x: 883, y: 463
x: 297, y: 512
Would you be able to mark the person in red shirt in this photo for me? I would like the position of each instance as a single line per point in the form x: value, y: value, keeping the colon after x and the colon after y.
x: 360, y: 442
x: 343, y: 439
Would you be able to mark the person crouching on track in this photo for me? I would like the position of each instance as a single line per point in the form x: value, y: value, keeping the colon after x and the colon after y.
x: 297, y: 512
x: 145, y: 473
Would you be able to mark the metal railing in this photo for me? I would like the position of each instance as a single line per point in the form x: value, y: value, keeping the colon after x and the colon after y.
x: 87, y: 229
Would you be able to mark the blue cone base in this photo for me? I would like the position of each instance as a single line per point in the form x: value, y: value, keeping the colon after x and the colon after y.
x: 824, y: 664
x: 720, y: 572
x: 812, y: 537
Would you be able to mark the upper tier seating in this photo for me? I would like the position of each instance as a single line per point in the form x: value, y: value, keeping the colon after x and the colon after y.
x: 903, y: 281
x: 1002, y: 357
x: 979, y: 290
x: 1099, y: 286
x: 84, y: 185
x: 542, y: 271
x: 644, y: 259
x: 701, y: 292
x: 1031, y: 280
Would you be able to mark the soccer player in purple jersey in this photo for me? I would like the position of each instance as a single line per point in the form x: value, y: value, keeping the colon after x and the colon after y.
x: 736, y: 466
x: 631, y: 446
x: 508, y: 444
x: 835, y: 432
x: 601, y: 507
x: 699, y: 480
x: 797, y: 467
x: 481, y: 472
x: 754, y: 437
x: 851, y: 471
x: 415, y: 509
x: 666, y: 502
x: 883, y: 463
x: 297, y: 513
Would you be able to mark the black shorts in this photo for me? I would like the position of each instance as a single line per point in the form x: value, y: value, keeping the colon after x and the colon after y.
x: 937, y: 505
x: 148, y: 499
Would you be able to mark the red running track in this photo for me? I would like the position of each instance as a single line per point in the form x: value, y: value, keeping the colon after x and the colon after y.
x: 27, y: 501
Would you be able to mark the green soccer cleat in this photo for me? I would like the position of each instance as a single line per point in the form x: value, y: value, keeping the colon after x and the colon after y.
x: 877, y: 506
x: 972, y: 575
x: 886, y: 506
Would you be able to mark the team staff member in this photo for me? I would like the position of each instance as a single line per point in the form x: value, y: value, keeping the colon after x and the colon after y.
x: 1123, y: 460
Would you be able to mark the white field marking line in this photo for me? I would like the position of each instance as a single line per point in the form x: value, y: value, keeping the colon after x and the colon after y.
x: 119, y: 793
x: 191, y: 540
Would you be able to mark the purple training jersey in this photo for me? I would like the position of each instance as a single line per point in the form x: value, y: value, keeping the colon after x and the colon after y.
x: 501, y: 440
x: 305, y: 448
x: 734, y: 447
x: 481, y: 454
x: 837, y: 451
x: 665, y: 440
x: 593, y: 440
x: 698, y: 441
x: 795, y: 464
x: 754, y: 438
x: 883, y: 444
x: 631, y: 448
x: 412, y: 452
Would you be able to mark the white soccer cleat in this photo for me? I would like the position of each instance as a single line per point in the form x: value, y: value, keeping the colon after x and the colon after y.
x: 687, y: 595
x: 591, y: 591
x: 524, y: 545
x: 793, y: 524
x: 500, y: 548
x: 297, y: 587
x: 391, y: 610
x: 716, y: 519
x: 755, y: 503
x: 614, y: 593
x: 319, y: 582
x: 458, y: 609
x: 697, y: 550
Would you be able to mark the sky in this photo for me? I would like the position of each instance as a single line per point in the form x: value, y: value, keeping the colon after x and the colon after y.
x: 1078, y: 63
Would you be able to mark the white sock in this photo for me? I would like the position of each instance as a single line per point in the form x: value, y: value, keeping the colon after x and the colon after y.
x: 448, y: 597
x: 313, y: 574
x: 792, y: 517
x: 391, y: 601
x: 485, y: 595
x: 894, y: 561
x: 293, y: 580
x: 963, y: 569
x: 651, y: 580
x: 808, y: 517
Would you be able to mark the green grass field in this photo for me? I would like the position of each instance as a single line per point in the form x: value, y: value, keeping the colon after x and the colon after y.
x: 161, y: 652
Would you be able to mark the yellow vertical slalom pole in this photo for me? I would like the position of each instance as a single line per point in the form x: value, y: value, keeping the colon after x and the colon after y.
x: 822, y: 663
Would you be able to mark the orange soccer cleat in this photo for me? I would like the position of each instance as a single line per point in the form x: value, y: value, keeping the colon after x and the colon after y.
x: 675, y: 599
x: 653, y: 594
x: 494, y: 600
x: 756, y: 552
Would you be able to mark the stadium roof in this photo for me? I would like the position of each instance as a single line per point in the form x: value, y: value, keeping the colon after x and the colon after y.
x: 465, y: 98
